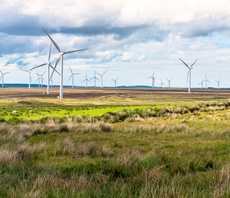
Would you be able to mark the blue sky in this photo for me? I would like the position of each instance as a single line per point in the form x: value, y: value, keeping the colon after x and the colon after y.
x: 128, y: 38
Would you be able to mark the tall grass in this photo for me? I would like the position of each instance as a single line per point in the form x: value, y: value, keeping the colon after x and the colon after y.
x: 107, y: 160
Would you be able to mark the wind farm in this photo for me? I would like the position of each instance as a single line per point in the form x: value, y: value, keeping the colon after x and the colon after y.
x: 108, y: 99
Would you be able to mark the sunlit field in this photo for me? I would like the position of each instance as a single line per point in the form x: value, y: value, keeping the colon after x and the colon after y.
x: 115, y: 143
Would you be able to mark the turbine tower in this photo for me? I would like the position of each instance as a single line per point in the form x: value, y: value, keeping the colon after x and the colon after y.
x: 169, y: 81
x: 48, y: 63
x: 201, y: 83
x: 206, y: 80
x: 72, y: 76
x: 61, y: 53
x: 189, y: 74
x: 95, y: 78
x: 101, y: 78
x: 86, y: 80
x: 153, y: 79
x: 2, y: 77
x: 218, y: 82
x: 115, y: 81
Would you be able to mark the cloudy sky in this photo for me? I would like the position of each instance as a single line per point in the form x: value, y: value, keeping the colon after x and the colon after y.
x: 128, y: 38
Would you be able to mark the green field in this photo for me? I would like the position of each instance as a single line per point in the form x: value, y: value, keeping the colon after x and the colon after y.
x: 164, y: 149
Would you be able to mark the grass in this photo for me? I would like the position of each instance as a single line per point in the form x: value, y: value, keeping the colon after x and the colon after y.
x: 168, y: 155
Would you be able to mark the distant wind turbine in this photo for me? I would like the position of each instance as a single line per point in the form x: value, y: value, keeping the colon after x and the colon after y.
x: 189, y: 74
x: 2, y: 77
x: 153, y: 79
x: 201, y: 83
x: 101, y: 78
x: 42, y: 78
x: 95, y: 78
x: 48, y: 63
x: 61, y: 53
x: 206, y: 80
x: 38, y: 79
x: 29, y: 72
x: 86, y: 80
x: 162, y: 84
x: 169, y: 81
x: 72, y: 76
x: 115, y: 81
x: 218, y: 82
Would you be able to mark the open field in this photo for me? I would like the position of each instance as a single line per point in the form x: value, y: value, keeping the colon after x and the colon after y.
x: 141, y: 143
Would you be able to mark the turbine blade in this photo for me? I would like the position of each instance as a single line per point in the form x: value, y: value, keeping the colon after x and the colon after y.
x: 49, y: 52
x: 70, y: 69
x: 194, y: 62
x: 55, y: 67
x: 55, y: 70
x: 99, y: 74
x: 24, y: 70
x: 43, y: 73
x: 39, y: 66
x: 72, y: 51
x: 184, y: 63
x: 55, y: 44
x: 104, y: 72
x: 76, y: 73
x: 70, y: 77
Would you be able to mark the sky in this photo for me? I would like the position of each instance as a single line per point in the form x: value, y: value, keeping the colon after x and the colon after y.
x: 130, y: 39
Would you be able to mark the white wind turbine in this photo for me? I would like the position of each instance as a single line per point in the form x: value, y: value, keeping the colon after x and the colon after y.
x: 189, y: 74
x: 206, y: 80
x: 201, y: 83
x: 101, y: 78
x: 2, y: 77
x: 95, y: 78
x: 48, y: 63
x: 61, y: 53
x: 115, y: 81
x: 153, y: 79
x: 42, y: 78
x: 72, y: 76
x: 218, y: 82
x: 162, y: 84
x: 169, y: 81
x: 38, y: 79
x: 86, y: 80
x: 29, y: 72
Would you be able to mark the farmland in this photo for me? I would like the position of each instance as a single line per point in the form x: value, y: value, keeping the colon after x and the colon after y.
x: 115, y: 143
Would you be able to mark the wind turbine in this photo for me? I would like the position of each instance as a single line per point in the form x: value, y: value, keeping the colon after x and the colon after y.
x: 169, y: 81
x: 72, y: 76
x: 95, y: 78
x: 206, y: 80
x: 189, y: 74
x: 162, y: 84
x: 29, y: 72
x: 48, y: 63
x: 86, y: 80
x: 101, y: 78
x: 201, y: 83
x: 38, y: 79
x: 61, y: 53
x: 218, y: 82
x: 153, y: 79
x: 2, y: 77
x: 115, y: 81
x: 42, y: 78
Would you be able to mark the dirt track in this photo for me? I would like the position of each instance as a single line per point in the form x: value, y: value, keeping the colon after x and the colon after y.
x: 138, y: 93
